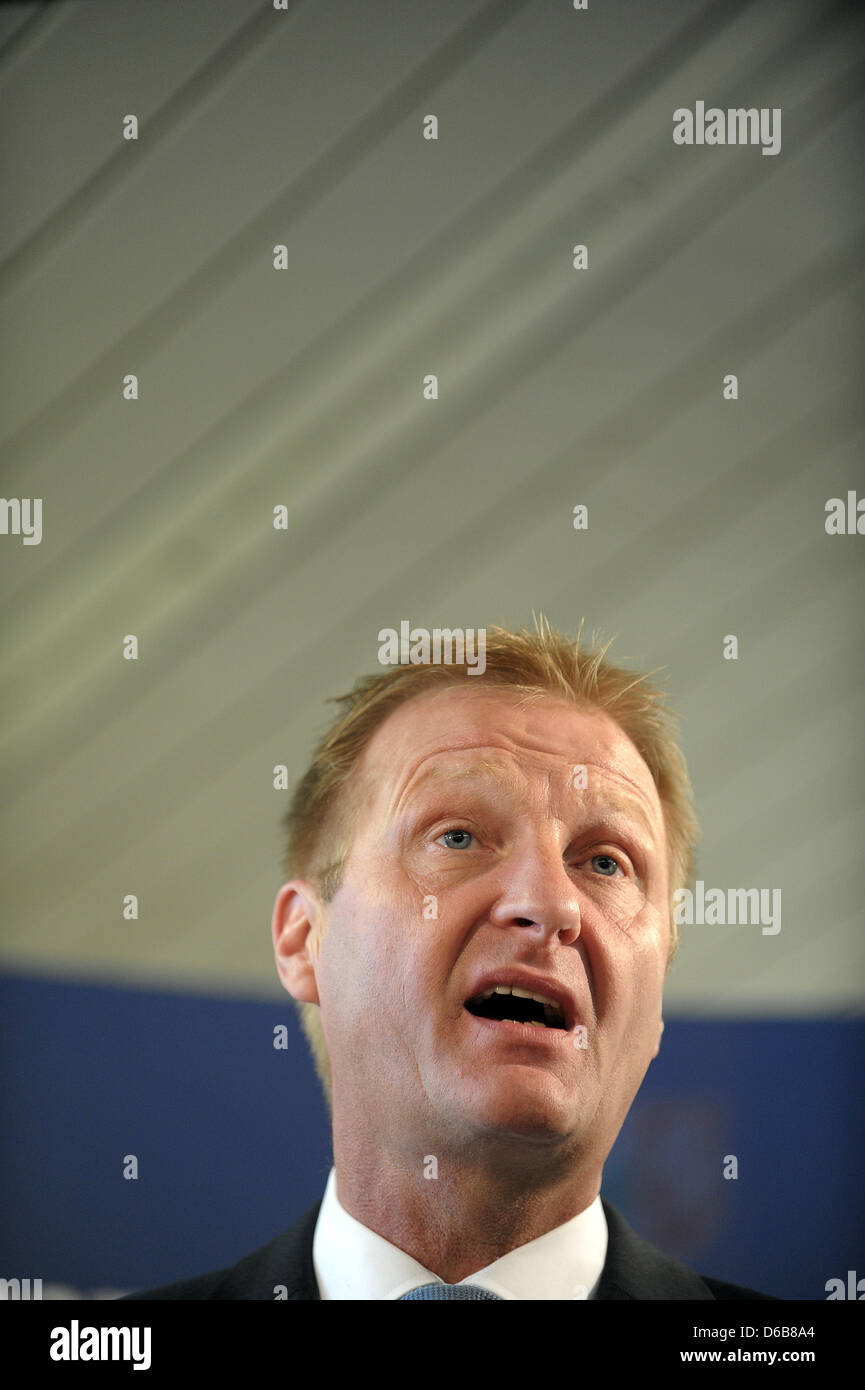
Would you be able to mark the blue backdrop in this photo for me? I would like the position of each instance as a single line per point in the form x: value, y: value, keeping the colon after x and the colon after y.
x: 232, y: 1140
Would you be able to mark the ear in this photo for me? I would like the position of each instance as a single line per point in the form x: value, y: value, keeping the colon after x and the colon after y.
x: 658, y: 1043
x: 296, y: 926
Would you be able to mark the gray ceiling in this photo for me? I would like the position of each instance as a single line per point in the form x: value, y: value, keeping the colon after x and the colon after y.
x: 303, y: 387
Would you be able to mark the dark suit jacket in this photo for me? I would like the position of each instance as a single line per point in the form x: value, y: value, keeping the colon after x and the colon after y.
x: 633, y: 1269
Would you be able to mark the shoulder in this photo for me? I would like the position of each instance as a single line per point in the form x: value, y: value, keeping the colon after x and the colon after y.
x: 281, y: 1269
x: 636, y: 1269
x: 200, y: 1287
x: 720, y: 1289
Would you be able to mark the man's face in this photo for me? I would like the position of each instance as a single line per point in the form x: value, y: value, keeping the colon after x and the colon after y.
x: 483, y: 855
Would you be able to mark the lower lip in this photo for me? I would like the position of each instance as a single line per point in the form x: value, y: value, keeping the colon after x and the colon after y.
x: 522, y: 1032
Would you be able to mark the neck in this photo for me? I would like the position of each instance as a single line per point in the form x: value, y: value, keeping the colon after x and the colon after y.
x: 455, y: 1211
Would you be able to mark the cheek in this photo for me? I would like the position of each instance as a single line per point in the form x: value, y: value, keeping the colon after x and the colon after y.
x: 379, y: 949
x: 632, y: 914
x: 620, y: 908
x: 423, y: 887
x: 429, y: 876
x: 655, y: 936
x: 628, y: 960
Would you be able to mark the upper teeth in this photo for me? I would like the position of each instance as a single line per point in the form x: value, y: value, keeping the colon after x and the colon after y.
x: 521, y: 994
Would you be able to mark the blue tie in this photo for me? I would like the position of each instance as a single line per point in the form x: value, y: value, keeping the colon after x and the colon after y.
x: 430, y: 1293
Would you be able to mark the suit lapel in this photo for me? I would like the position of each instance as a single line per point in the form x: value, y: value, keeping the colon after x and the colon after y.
x: 285, y: 1264
x: 634, y: 1269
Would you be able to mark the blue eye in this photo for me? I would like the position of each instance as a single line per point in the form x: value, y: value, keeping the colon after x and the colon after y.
x: 451, y: 834
x: 608, y: 858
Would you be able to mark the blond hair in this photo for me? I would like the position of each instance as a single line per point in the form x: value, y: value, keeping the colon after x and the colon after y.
x: 534, y: 665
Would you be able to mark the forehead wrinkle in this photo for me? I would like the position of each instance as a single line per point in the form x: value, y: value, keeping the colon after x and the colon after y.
x: 507, y: 747
x: 464, y: 772
x: 551, y: 793
x: 612, y: 769
x: 526, y: 747
x: 632, y: 810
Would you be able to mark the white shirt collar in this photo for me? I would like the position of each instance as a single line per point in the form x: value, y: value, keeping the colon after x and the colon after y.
x: 353, y: 1262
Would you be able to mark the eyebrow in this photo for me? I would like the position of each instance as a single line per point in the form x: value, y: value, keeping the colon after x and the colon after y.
x: 597, y: 807
x: 466, y: 773
x: 626, y: 807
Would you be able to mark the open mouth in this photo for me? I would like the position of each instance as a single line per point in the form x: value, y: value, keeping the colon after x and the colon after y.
x: 509, y: 1006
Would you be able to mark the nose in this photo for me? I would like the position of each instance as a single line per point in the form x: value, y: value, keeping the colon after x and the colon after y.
x: 538, y: 894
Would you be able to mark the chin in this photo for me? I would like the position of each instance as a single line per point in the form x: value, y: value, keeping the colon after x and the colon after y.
x: 528, y: 1112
